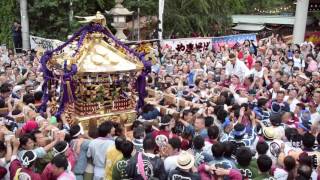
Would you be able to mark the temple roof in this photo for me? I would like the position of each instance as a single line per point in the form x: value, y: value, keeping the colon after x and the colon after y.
x: 97, y: 55
x: 95, y: 50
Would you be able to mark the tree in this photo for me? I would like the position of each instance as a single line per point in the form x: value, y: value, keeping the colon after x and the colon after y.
x: 211, y: 17
x: 50, y: 19
x: 8, y: 13
x: 147, y: 7
x: 201, y: 16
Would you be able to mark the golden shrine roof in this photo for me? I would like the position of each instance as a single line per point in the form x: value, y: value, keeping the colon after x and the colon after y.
x: 97, y: 53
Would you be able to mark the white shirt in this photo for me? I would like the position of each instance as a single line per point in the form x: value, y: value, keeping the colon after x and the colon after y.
x: 273, y: 147
x: 240, y: 100
x: 239, y: 69
x: 297, y: 62
x: 256, y: 73
x: 293, y: 103
x: 315, y: 118
x: 274, y: 93
x: 97, y: 151
x: 5, y: 57
x: 207, y: 147
x: 280, y: 174
x: 170, y: 163
x: 288, y: 147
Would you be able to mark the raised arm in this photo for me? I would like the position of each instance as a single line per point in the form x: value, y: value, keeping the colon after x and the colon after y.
x: 9, y: 150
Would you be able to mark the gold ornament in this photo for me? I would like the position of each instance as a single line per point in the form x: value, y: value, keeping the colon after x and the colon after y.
x: 123, y: 118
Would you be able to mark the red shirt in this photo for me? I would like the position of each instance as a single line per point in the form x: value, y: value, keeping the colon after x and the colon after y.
x: 3, y: 172
x: 47, y: 172
x: 292, y: 121
x: 15, y: 165
x: 250, y: 62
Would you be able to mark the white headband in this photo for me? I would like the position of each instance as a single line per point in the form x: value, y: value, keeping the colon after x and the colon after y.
x: 80, y: 132
x: 56, y: 152
x: 164, y: 124
x: 26, y: 162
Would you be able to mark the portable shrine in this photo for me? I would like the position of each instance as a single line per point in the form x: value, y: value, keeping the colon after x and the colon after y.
x: 99, y: 77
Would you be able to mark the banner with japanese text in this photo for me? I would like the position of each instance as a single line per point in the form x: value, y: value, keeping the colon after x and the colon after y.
x: 187, y: 44
x: 231, y: 40
x: 46, y: 44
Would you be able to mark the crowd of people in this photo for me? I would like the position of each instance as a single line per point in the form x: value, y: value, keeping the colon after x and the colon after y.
x: 252, y: 112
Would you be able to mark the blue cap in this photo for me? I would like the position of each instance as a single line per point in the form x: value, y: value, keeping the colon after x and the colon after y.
x: 239, y: 133
x: 305, y: 116
x: 226, y: 122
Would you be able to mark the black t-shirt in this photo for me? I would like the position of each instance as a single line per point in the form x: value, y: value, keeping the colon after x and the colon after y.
x: 153, y: 167
x: 16, y: 31
x: 178, y: 174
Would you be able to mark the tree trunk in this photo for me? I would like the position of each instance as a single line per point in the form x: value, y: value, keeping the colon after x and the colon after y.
x: 24, y: 24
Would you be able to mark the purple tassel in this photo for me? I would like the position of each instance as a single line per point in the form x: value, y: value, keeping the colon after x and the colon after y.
x: 67, y: 76
x: 81, y: 34
x: 141, y: 89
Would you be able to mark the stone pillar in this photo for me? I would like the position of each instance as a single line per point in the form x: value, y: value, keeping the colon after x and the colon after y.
x: 24, y: 24
x: 300, y: 21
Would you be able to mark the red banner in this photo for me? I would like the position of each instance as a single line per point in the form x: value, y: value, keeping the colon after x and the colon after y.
x: 313, y: 37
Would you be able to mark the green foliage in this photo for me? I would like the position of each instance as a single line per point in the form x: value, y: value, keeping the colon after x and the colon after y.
x: 147, y: 7
x: 202, y: 16
x: 7, y: 16
x: 50, y: 18
x: 105, y: 4
x: 239, y: 6
x: 210, y: 16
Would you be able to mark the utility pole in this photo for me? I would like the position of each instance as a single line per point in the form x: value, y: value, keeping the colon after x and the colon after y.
x: 25, y: 24
x: 138, y: 20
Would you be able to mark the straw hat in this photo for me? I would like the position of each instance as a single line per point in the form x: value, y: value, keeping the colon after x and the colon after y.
x: 269, y: 133
x: 185, y: 160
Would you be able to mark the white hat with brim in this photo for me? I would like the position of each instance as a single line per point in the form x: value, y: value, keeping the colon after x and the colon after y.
x: 269, y: 133
x: 185, y: 160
